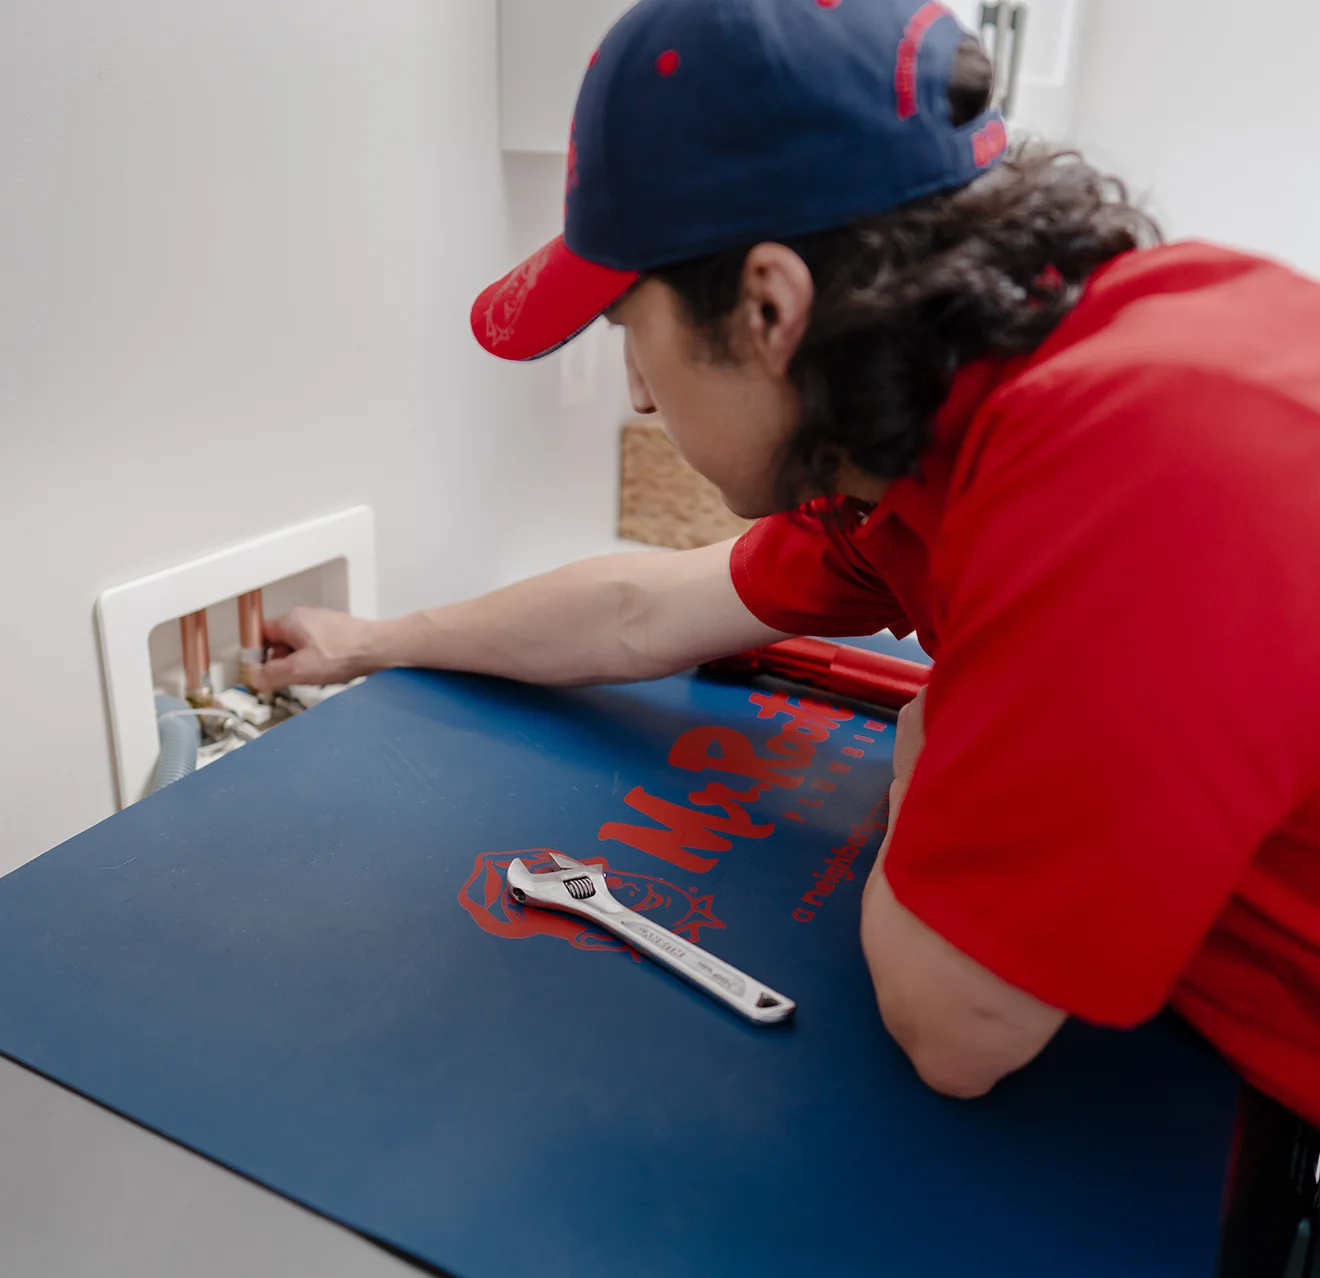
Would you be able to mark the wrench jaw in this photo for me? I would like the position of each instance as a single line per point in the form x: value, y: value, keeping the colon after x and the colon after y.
x: 574, y: 887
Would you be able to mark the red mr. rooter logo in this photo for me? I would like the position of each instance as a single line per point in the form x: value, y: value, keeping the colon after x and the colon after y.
x: 487, y: 899
x: 719, y: 811
x: 713, y: 817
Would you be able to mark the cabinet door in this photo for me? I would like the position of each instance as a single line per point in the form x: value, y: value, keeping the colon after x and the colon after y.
x: 968, y: 12
x: 1036, y: 66
x: 1047, y: 84
x: 544, y: 49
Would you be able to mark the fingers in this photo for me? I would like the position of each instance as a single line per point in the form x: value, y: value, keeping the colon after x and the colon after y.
x: 279, y: 673
x: 287, y: 630
x: 910, y: 738
x: 306, y: 645
x: 911, y: 717
x: 286, y: 636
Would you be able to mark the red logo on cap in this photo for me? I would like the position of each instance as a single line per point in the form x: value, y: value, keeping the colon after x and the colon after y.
x: 571, y: 177
x: 511, y: 296
x: 485, y: 896
x: 989, y: 142
x: 905, y: 78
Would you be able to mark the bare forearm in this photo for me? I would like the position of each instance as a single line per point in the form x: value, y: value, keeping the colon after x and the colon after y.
x: 560, y: 628
x: 897, y: 791
x: 615, y: 619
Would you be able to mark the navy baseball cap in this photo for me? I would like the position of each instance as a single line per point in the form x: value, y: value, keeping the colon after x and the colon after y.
x: 704, y: 125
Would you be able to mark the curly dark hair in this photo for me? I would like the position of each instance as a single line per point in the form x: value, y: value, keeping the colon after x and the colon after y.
x: 905, y: 298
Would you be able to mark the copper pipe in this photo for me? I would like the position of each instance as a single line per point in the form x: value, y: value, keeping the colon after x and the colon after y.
x: 251, y: 635
x: 196, y: 660
x: 250, y: 621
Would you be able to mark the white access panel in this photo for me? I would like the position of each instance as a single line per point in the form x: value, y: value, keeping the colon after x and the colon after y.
x: 127, y: 614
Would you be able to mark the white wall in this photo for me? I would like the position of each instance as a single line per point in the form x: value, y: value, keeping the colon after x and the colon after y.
x: 1210, y: 107
x: 567, y: 490
x: 238, y: 239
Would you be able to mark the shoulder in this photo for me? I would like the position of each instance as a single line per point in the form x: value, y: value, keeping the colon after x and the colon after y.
x: 1160, y: 456
x: 1189, y: 356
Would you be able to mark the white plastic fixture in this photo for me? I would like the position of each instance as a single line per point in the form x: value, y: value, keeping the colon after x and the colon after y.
x: 127, y: 614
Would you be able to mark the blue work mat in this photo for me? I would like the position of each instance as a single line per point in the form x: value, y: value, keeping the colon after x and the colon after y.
x: 301, y: 962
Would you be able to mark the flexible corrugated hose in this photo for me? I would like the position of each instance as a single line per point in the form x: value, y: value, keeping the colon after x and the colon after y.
x: 180, y: 737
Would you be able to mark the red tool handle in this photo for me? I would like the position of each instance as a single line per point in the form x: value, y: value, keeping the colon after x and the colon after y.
x: 835, y: 668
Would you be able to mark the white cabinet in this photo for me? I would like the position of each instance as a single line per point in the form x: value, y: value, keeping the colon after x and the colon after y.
x: 545, y: 46
x: 966, y: 11
x: 544, y: 49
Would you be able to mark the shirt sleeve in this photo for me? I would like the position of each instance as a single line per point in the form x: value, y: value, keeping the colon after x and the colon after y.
x: 802, y: 573
x: 1107, y: 745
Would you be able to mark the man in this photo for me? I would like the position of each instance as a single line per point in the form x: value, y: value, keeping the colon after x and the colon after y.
x: 972, y: 397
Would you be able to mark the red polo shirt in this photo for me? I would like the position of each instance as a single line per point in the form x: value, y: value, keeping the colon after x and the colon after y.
x: 1114, y: 556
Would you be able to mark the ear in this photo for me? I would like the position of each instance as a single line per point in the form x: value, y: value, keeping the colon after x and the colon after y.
x: 777, y: 293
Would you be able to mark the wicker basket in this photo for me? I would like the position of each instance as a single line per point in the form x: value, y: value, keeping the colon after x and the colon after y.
x: 662, y: 500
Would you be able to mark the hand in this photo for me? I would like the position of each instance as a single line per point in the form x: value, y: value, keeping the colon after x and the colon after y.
x: 317, y: 646
x: 911, y: 739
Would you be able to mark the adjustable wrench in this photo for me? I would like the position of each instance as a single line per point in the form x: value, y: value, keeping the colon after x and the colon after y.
x: 580, y: 889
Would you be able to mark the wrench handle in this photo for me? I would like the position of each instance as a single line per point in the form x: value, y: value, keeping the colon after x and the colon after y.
x: 748, y: 997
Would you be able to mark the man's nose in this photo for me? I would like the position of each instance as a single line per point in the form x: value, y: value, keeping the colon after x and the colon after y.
x: 637, y: 389
x: 641, y: 400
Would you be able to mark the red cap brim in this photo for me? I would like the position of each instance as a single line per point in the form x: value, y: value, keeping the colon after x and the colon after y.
x: 545, y: 302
